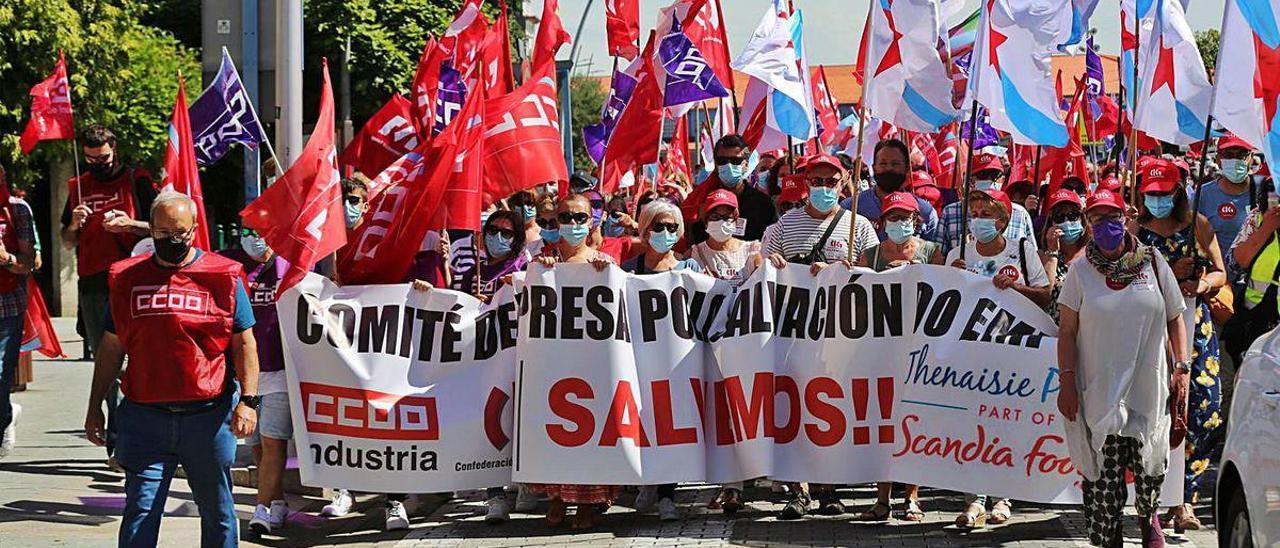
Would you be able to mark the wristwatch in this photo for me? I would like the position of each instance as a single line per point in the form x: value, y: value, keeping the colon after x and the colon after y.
x: 252, y: 402
x: 1183, y: 365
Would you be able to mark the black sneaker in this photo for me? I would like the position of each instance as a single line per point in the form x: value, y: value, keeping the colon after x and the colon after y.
x: 830, y: 506
x: 795, y: 509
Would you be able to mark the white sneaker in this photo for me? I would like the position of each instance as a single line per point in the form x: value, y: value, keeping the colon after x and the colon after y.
x: 647, y: 496
x: 279, y: 513
x: 498, y: 510
x: 339, y: 505
x: 397, y: 517
x: 668, y: 511
x: 526, y: 500
x: 11, y: 433
x: 260, y: 523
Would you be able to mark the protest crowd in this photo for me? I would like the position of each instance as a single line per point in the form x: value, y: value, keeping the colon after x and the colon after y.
x: 1117, y: 244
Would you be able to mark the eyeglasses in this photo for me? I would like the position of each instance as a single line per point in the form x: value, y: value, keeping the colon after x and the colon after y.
x: 171, y: 235
x: 549, y: 224
x: 824, y: 181
x: 1095, y: 219
x: 499, y: 231
x: 669, y: 227
x: 98, y: 158
x: 1068, y: 216
x: 788, y: 206
x: 713, y: 217
x: 735, y: 160
x: 616, y: 214
x: 355, y: 200
x: 578, y: 218
x: 248, y: 232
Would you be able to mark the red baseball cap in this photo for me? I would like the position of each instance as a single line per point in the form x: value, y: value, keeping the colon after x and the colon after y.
x: 1064, y: 195
x: 793, y: 189
x: 921, y: 178
x: 899, y: 200
x: 1104, y: 198
x: 1111, y: 183
x: 997, y: 195
x: 718, y: 198
x: 1231, y: 141
x: 1159, y: 175
x: 824, y: 159
x: 986, y: 161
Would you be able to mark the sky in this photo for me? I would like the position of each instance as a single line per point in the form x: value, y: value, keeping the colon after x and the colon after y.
x: 832, y: 27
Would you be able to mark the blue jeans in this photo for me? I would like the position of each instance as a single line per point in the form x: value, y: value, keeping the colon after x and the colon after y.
x: 10, y: 343
x: 151, y: 443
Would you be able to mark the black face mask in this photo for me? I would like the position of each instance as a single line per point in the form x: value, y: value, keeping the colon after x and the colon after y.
x: 102, y: 172
x: 172, y: 251
x: 890, y: 182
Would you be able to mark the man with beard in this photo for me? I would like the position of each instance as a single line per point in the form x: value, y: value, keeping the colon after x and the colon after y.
x: 891, y: 166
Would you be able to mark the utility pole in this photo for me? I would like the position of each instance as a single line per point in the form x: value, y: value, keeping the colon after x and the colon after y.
x: 289, y: 80
x: 249, y: 77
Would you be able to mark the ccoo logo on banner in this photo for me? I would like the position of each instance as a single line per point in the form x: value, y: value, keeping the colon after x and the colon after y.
x: 926, y: 375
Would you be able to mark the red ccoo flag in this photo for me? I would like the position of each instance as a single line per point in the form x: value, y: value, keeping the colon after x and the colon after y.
x: 551, y: 35
x: 522, y: 146
x: 180, y: 171
x: 676, y: 165
x: 622, y: 27
x: 495, y: 53
x: 704, y: 25
x: 37, y: 328
x: 51, y: 117
x: 639, y: 127
x: 301, y: 215
x: 459, y: 207
x: 388, y: 135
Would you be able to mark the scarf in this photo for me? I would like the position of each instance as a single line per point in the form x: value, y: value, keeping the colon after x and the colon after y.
x: 1124, y: 268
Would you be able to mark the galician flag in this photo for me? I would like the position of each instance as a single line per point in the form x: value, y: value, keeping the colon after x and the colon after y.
x: 1010, y: 71
x: 1174, y: 91
x: 778, y: 101
x: 1248, y: 89
x: 907, y: 83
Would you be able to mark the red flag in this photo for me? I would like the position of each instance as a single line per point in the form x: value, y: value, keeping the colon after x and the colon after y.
x: 301, y: 215
x: 1108, y: 123
x: 388, y: 135
x: 551, y: 35
x: 51, y: 118
x: 676, y: 166
x: 704, y: 25
x: 37, y: 327
x: 1069, y: 160
x: 824, y: 105
x: 496, y: 57
x: 460, y: 205
x: 522, y: 145
x: 426, y: 81
x: 180, y: 171
x: 464, y: 39
x: 639, y: 126
x: 622, y: 26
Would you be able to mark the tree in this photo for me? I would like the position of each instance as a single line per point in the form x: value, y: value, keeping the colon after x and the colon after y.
x: 587, y: 98
x: 1207, y: 42
x: 123, y: 74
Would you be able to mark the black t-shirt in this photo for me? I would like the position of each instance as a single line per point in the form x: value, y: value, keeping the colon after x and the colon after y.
x: 753, y: 205
x: 144, y: 193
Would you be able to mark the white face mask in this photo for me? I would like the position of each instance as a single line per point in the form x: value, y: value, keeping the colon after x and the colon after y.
x: 721, y: 231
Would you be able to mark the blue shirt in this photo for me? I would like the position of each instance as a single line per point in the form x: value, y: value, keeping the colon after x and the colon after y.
x: 240, y: 321
x: 869, y: 207
x: 1226, y: 212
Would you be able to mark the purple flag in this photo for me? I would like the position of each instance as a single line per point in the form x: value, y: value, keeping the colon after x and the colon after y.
x: 1093, y: 78
x: 686, y: 76
x: 449, y: 97
x: 986, y: 135
x: 223, y: 116
x: 596, y: 136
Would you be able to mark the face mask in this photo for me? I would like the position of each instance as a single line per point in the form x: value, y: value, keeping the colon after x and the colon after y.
x: 102, y: 172
x: 497, y: 246
x: 1159, y: 206
x: 172, y: 251
x: 985, y: 184
x: 731, y: 175
x: 550, y: 236
x: 1235, y: 170
x: 900, y: 231
x: 890, y: 182
x: 574, y: 234
x: 721, y: 231
x: 255, y: 246
x: 1109, y: 234
x: 662, y: 241
x: 1071, y: 231
x: 353, y: 215
x: 984, y: 229
x: 611, y: 228
x: 822, y: 198
x: 527, y: 212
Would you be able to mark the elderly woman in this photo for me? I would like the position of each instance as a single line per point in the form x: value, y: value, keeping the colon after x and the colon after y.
x: 1011, y: 264
x: 900, y: 220
x: 1165, y: 223
x: 1064, y: 239
x: 1120, y: 309
x: 723, y: 255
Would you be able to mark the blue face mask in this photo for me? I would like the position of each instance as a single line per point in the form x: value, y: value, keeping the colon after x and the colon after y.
x: 731, y: 175
x: 1234, y: 169
x: 255, y: 246
x: 528, y: 212
x: 353, y: 214
x: 611, y: 228
x: 662, y: 241
x: 497, y: 246
x: 574, y: 234
x: 823, y: 198
x: 549, y: 235
x: 1159, y: 206
x: 985, y: 184
x: 984, y: 230
x: 1071, y: 231
x: 900, y: 231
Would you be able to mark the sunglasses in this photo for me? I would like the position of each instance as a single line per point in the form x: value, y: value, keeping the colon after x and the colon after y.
x: 499, y: 231
x: 248, y: 233
x: 788, y: 206
x: 579, y: 218
x: 824, y: 181
x: 735, y: 160
x: 714, y: 217
x: 549, y: 224
x: 98, y: 159
x: 354, y: 200
x: 1069, y: 216
x: 669, y: 227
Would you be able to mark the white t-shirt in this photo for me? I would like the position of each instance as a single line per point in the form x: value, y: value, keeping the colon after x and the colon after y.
x: 1007, y: 261
x: 733, y: 266
x: 796, y: 232
x: 1121, y: 370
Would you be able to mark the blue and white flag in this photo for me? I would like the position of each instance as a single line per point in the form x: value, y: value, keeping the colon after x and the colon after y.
x: 223, y: 116
x: 685, y: 77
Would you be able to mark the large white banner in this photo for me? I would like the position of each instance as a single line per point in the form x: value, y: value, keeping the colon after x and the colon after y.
x: 925, y: 375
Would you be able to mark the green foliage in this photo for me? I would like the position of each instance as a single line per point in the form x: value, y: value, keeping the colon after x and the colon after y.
x: 1207, y: 42
x: 587, y: 98
x: 122, y: 74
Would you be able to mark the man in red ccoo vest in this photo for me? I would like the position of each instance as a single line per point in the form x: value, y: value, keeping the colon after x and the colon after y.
x: 176, y: 313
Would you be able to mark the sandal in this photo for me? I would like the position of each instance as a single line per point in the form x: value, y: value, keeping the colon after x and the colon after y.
x: 585, y: 517
x: 1186, y: 521
x: 973, y: 516
x: 911, y: 511
x: 729, y: 501
x: 879, y: 512
x: 556, y: 512
x: 1000, y: 512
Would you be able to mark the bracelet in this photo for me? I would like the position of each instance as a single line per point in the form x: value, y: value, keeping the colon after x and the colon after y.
x: 1064, y: 372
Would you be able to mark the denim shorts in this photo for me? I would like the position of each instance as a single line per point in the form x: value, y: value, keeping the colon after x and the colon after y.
x: 273, y: 418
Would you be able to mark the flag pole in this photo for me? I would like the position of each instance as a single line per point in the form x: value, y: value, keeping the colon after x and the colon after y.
x: 1204, y: 148
x: 1036, y: 169
x: 975, y: 80
x: 857, y: 152
x: 1133, y: 108
x: 733, y: 86
x: 75, y: 141
x: 265, y: 139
